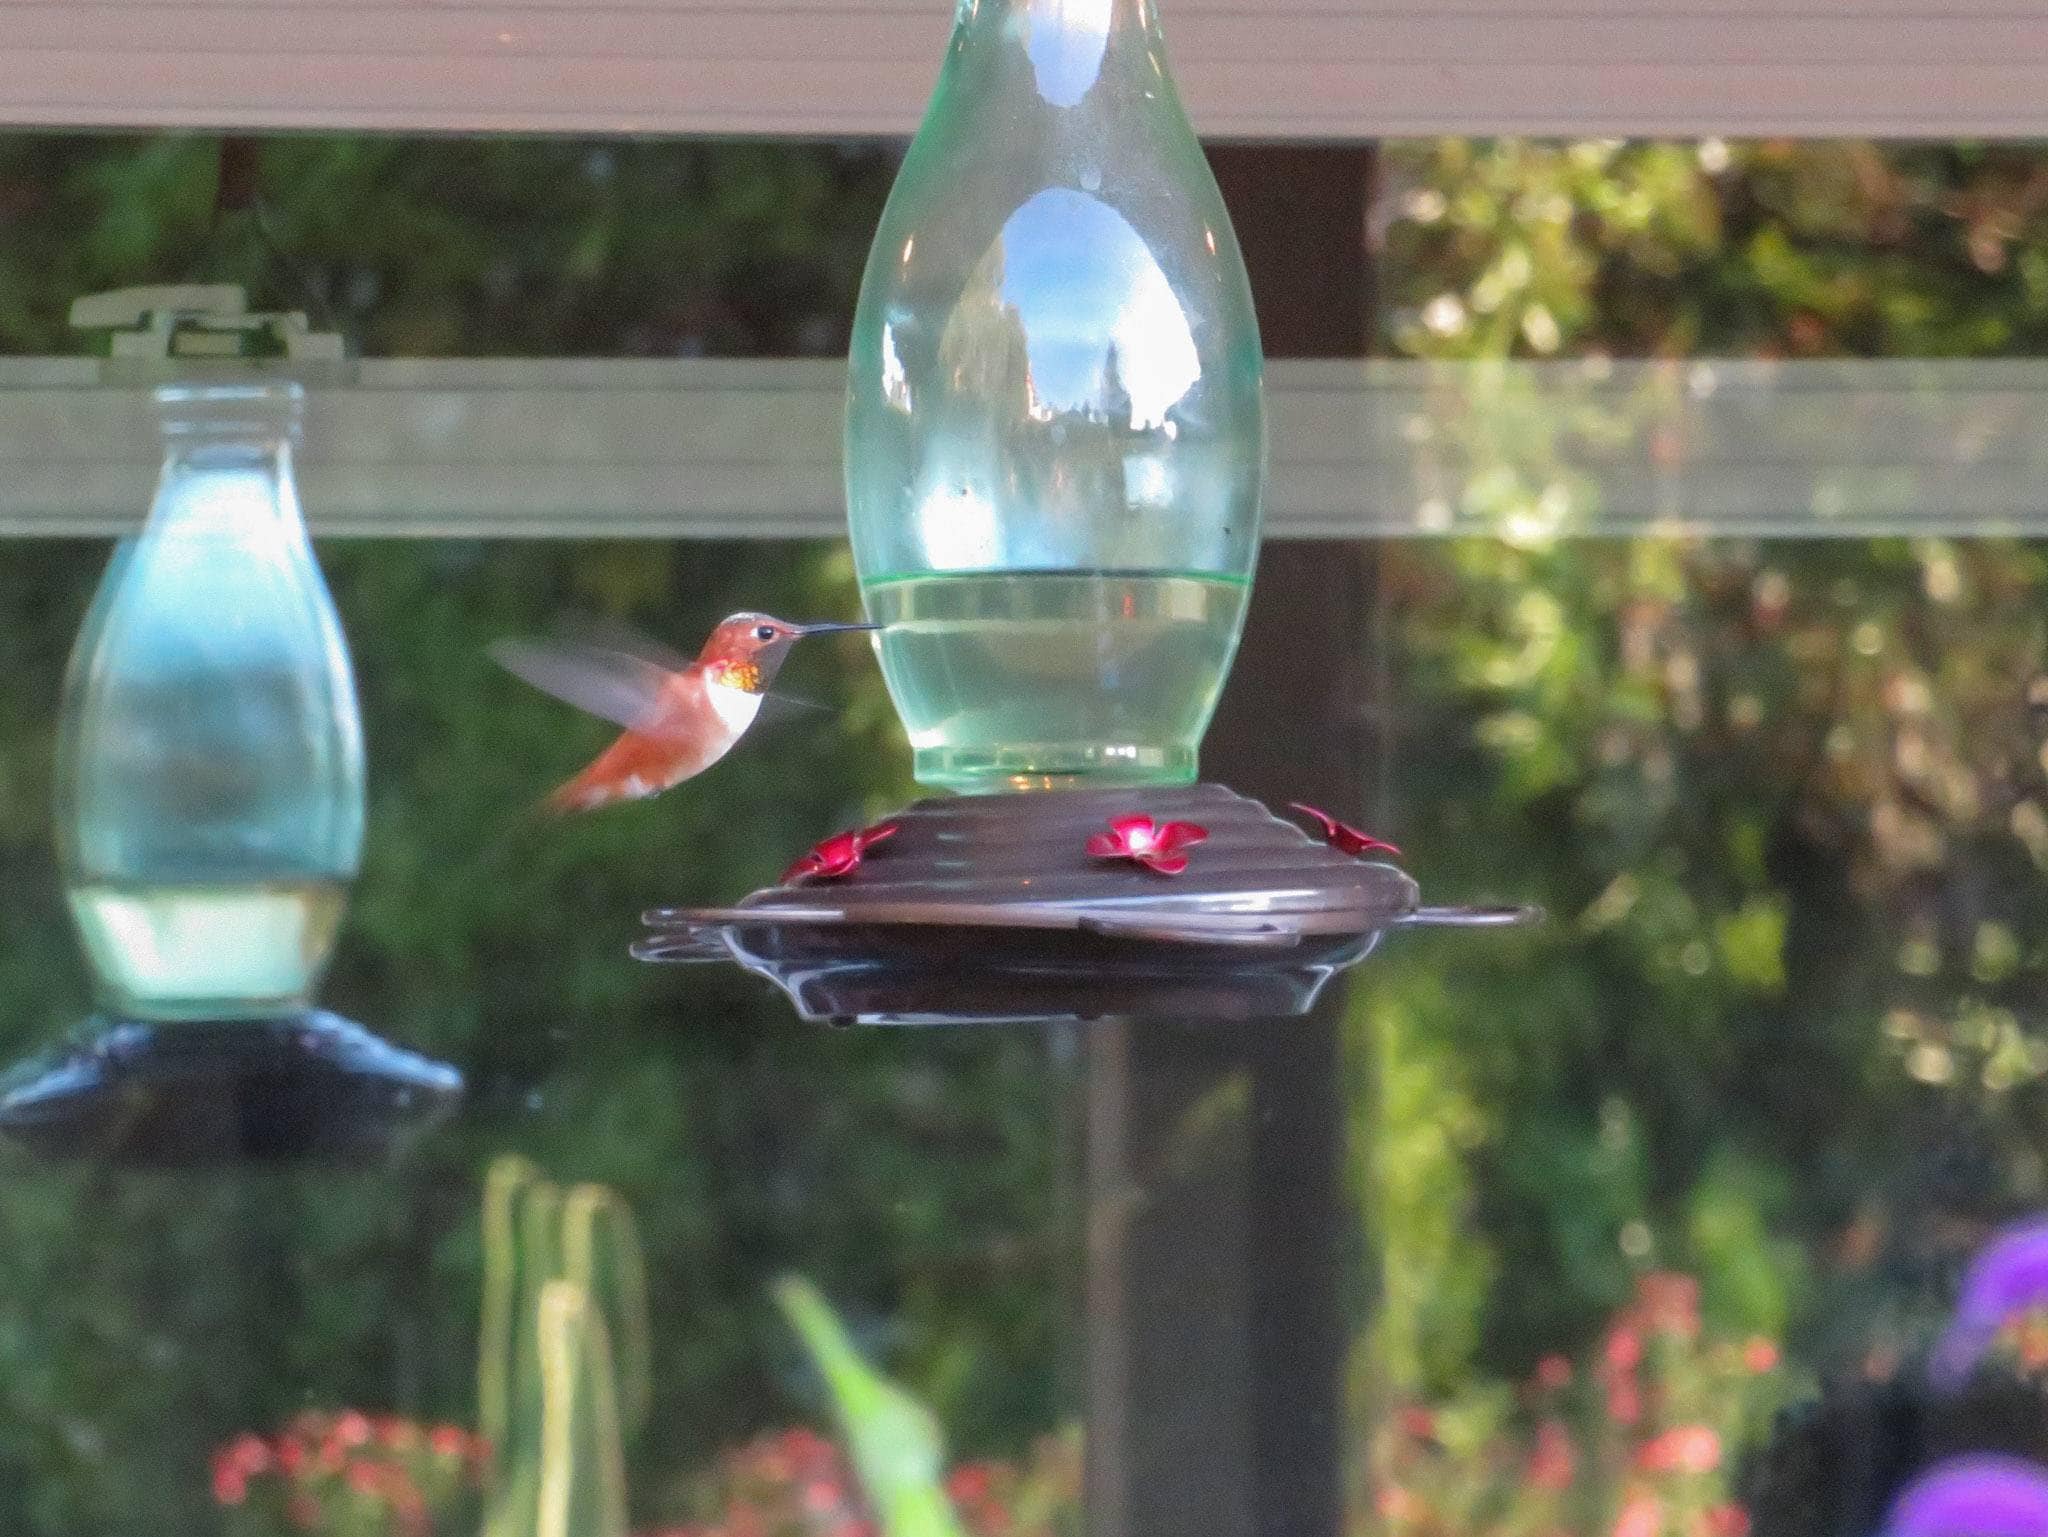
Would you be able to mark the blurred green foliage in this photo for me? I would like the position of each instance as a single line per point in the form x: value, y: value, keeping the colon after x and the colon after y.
x: 456, y: 247
x: 1786, y: 802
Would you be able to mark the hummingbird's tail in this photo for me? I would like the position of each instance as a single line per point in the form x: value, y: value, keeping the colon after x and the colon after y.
x: 589, y: 790
x: 492, y: 857
x: 595, y: 787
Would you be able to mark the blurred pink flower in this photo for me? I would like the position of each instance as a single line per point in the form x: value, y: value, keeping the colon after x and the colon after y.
x: 1670, y: 1302
x: 970, y: 1483
x: 248, y: 1453
x: 1624, y: 1349
x: 1685, y: 1449
x: 1552, y: 1463
x: 1624, y: 1403
x: 229, y: 1486
x: 364, y: 1477
x: 1397, y: 1504
x: 1640, y: 1517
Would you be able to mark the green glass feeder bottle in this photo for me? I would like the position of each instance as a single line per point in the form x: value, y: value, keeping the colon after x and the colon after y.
x: 1055, y: 432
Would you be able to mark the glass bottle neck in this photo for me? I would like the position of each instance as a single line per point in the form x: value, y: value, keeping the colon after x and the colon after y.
x: 207, y: 417
x: 1071, y: 44
x: 228, y: 451
x: 227, y: 457
x: 1091, y: 15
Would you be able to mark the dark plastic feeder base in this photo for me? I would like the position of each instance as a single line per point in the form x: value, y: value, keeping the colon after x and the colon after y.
x: 310, y: 1087
x: 989, y: 909
x: 939, y: 990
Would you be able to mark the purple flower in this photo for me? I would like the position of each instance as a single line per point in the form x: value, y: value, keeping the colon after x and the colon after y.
x: 2009, y: 1276
x: 1980, y: 1496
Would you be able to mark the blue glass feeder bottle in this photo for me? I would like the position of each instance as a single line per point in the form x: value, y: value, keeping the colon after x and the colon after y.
x: 210, y: 776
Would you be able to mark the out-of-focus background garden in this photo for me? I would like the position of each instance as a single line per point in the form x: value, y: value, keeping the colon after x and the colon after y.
x: 1717, y: 1134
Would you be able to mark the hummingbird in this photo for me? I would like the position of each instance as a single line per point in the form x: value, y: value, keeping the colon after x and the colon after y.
x: 680, y: 716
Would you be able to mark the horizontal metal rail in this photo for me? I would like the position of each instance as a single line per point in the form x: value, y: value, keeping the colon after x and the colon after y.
x: 732, y: 449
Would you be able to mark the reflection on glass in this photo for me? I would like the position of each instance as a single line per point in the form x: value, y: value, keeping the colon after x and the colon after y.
x: 1055, y: 432
x: 1066, y: 40
x: 210, y: 811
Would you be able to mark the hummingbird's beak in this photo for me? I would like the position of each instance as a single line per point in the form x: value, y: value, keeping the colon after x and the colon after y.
x: 831, y: 628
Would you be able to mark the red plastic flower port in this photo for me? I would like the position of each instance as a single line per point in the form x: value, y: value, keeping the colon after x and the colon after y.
x: 1343, y: 837
x: 1159, y: 847
x: 838, y: 855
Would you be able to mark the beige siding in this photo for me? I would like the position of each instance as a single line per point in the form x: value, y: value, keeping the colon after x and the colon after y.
x: 1304, y: 69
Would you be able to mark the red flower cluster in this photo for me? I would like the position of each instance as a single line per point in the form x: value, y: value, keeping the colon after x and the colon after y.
x: 323, y: 1472
x: 1036, y: 1498
x: 1159, y: 846
x: 838, y: 855
x: 1666, y: 1305
x: 1632, y: 1442
x: 794, y: 1483
x: 1554, y: 1462
x: 1686, y: 1449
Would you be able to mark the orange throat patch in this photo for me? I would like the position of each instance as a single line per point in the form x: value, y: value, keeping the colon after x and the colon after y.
x: 744, y: 676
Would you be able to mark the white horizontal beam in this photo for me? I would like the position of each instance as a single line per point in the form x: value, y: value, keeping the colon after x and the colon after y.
x: 717, y: 449
x: 1251, y: 69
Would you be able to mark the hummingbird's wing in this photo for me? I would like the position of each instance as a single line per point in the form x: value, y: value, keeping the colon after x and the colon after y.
x: 614, y: 685
x: 591, y: 633
x: 625, y: 690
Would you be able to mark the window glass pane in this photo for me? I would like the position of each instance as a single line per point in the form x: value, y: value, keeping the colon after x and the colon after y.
x: 1673, y: 566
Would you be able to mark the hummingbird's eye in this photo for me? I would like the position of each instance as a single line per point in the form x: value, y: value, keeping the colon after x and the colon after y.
x: 764, y: 632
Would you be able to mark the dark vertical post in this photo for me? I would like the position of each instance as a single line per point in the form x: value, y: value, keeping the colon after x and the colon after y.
x: 1218, y: 1233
